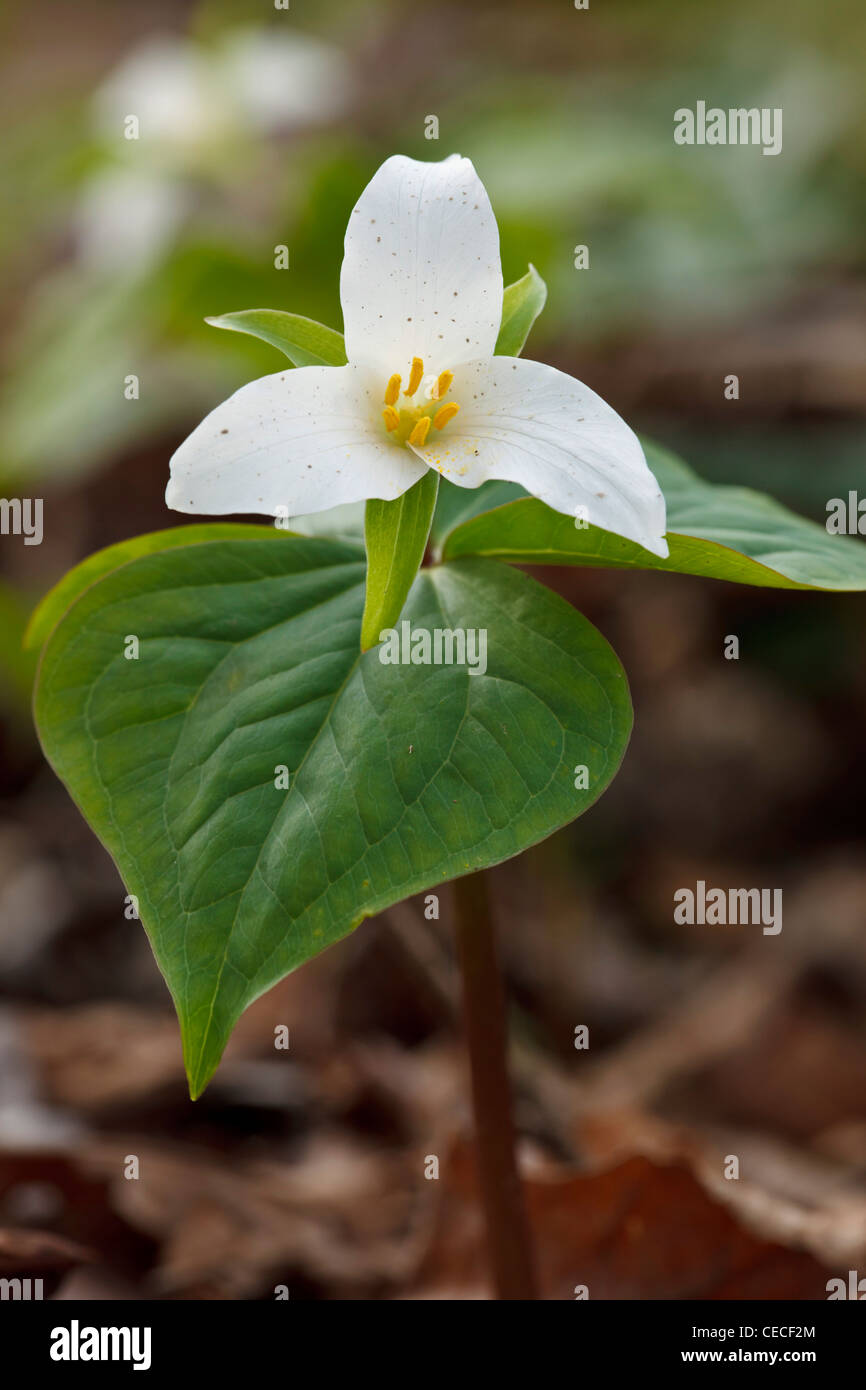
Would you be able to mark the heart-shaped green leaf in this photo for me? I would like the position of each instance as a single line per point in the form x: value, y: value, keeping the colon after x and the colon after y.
x: 263, y: 787
x: 455, y: 505
x: 51, y: 608
x: 717, y: 532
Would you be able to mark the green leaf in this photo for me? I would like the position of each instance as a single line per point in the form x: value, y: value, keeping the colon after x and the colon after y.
x: 522, y: 302
x: 717, y: 532
x: 396, y: 538
x: 55, y: 603
x: 305, y: 342
x: 458, y: 504
x: 399, y: 776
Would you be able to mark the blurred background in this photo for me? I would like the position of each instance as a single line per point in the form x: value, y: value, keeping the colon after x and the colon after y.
x: 259, y: 127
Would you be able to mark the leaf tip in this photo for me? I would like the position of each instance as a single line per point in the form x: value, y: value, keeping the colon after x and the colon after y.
x: 31, y: 638
x: 200, y: 1058
x: 539, y: 280
x: 199, y: 1077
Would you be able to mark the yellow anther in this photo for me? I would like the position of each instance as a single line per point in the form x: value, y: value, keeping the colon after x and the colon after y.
x: 390, y: 416
x: 421, y: 427
x: 392, y: 390
x: 447, y: 412
x: 415, y: 376
x: 443, y: 384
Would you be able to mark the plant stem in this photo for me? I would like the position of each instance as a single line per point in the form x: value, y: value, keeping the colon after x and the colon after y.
x: 484, y: 1009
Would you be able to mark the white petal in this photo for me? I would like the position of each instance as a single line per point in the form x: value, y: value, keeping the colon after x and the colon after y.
x: 527, y: 423
x: 347, y: 520
x: 302, y: 440
x: 421, y: 273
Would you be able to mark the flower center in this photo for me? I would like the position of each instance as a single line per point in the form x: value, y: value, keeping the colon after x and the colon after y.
x: 410, y: 423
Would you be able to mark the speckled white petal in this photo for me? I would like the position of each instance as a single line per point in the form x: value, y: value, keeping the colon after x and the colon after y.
x: 421, y: 273
x: 528, y: 423
x: 299, y: 441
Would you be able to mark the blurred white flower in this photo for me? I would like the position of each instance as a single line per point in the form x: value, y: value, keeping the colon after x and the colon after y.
x: 281, y: 80
x: 169, y: 86
x: 186, y: 96
x: 125, y: 217
x: 191, y: 101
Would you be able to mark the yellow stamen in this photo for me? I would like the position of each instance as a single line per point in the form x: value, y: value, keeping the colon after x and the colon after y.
x: 415, y: 376
x: 443, y: 384
x: 390, y: 416
x: 441, y: 418
x: 420, y: 428
x: 392, y: 390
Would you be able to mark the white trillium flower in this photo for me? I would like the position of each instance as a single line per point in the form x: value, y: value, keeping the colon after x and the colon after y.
x: 188, y: 98
x: 421, y: 290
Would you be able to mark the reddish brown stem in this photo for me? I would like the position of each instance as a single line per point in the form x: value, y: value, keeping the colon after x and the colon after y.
x: 484, y: 1009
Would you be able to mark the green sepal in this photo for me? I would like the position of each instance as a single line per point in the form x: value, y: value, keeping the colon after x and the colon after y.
x: 396, y: 535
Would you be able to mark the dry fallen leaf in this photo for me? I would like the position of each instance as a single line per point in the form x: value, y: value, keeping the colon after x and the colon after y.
x: 642, y: 1229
